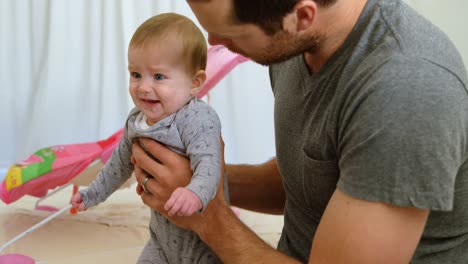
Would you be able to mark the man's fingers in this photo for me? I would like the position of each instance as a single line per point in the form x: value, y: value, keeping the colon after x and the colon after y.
x: 149, y: 200
x: 140, y: 174
x: 145, y: 162
x: 139, y: 189
x: 158, y: 150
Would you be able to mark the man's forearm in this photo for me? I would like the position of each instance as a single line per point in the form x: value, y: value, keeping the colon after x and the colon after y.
x: 256, y: 187
x: 234, y: 242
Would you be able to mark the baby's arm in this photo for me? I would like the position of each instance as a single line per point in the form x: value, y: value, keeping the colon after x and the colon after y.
x: 115, y: 172
x: 184, y: 202
x: 200, y: 130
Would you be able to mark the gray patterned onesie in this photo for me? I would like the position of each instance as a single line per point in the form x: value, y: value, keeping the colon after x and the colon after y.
x: 193, y: 131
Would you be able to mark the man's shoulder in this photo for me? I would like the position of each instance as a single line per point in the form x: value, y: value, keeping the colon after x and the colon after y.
x: 416, y: 38
x: 411, y: 71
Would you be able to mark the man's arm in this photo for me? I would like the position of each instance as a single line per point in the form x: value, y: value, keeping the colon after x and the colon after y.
x: 257, y: 187
x: 232, y: 241
x: 351, y: 231
x: 357, y: 231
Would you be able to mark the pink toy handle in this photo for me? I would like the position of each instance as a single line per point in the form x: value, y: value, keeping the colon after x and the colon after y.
x: 220, y: 62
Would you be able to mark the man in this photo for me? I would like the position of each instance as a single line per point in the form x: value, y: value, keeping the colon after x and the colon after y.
x: 371, y: 122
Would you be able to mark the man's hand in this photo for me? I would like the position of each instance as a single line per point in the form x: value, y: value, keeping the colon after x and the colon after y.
x: 173, y: 172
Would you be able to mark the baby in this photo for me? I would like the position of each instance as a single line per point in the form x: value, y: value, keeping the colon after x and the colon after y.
x: 166, y: 60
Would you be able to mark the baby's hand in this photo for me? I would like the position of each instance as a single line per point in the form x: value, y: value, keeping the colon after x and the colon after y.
x: 77, y: 202
x: 184, y: 202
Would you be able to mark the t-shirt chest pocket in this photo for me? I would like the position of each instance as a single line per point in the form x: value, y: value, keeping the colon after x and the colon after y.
x: 319, y: 179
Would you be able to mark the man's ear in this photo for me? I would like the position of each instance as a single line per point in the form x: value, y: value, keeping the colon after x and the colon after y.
x: 305, y: 12
x: 301, y: 18
x: 197, y: 82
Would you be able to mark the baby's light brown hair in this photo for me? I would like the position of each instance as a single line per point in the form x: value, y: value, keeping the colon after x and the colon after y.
x: 194, y: 49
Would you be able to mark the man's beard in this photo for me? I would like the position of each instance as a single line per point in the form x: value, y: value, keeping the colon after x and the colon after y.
x: 283, y: 47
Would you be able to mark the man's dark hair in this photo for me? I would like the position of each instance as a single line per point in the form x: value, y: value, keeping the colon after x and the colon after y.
x: 268, y: 14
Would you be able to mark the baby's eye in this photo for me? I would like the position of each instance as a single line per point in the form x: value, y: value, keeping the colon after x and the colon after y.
x: 159, y: 77
x: 135, y: 75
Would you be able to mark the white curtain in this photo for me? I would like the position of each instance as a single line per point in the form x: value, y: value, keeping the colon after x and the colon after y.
x: 63, y: 78
x: 63, y: 75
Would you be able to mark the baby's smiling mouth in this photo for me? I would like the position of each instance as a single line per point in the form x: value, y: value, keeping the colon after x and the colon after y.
x: 150, y: 101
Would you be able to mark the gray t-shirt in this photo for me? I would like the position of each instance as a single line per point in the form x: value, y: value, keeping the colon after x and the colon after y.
x: 193, y: 131
x: 385, y: 119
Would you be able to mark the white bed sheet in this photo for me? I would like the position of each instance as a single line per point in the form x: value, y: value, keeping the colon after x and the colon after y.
x: 113, y: 232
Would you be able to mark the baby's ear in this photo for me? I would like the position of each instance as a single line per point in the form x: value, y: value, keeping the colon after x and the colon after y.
x: 197, y: 82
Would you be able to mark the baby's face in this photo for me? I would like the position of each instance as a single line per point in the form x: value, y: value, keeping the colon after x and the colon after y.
x: 159, y: 82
